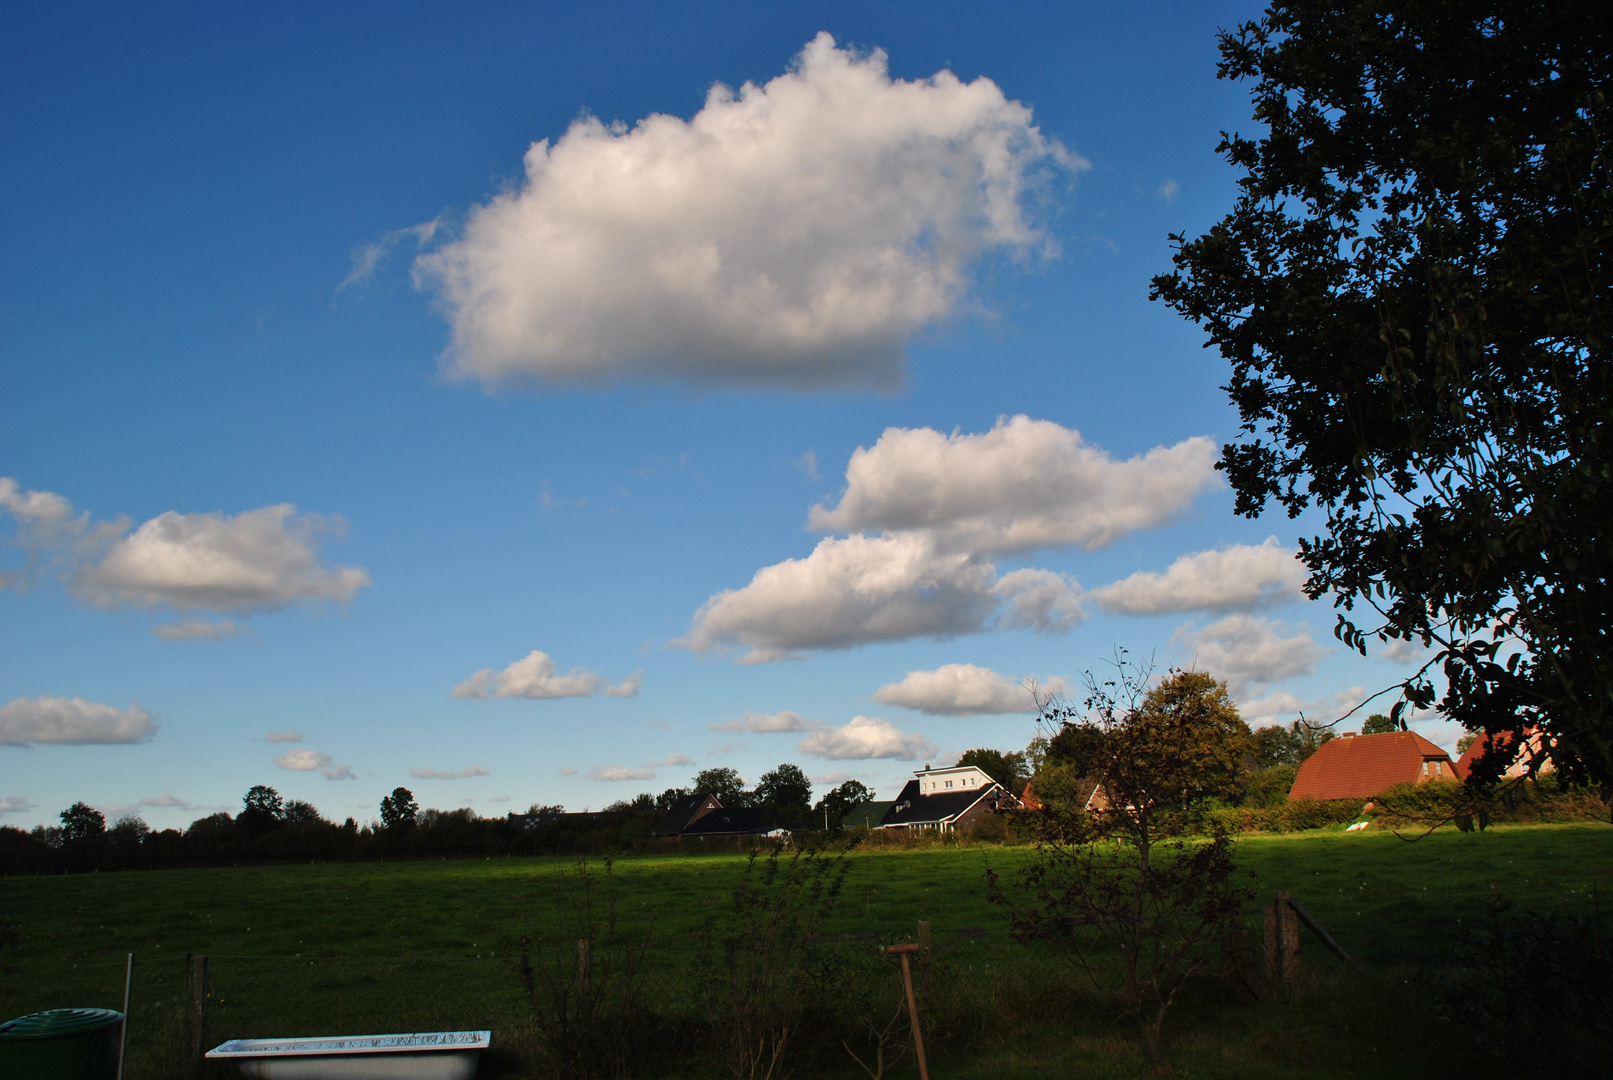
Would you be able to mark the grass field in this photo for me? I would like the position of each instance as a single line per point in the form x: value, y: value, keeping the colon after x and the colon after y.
x: 330, y: 948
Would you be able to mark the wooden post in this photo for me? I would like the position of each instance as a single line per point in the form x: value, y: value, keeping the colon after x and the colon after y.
x: 1282, y: 942
x: 123, y: 1036
x: 585, y: 969
x: 200, y: 991
x: 904, y: 951
x: 1272, y: 940
x: 924, y: 937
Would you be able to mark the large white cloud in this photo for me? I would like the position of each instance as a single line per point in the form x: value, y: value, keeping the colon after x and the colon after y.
x: 27, y: 721
x: 867, y: 737
x: 534, y: 676
x: 303, y: 759
x: 849, y: 591
x: 795, y: 232
x: 252, y: 561
x: 1239, y: 576
x: 965, y: 690
x: 1248, y: 650
x: 1024, y: 484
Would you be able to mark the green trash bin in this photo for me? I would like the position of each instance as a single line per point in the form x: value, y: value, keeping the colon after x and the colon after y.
x: 61, y: 1044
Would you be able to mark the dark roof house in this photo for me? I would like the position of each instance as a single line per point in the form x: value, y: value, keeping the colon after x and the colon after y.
x: 870, y: 814
x: 947, y: 799
x: 1361, y: 766
x: 684, y: 813
x: 738, y: 821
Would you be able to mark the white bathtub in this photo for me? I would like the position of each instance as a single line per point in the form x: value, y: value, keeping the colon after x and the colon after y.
x: 427, y: 1055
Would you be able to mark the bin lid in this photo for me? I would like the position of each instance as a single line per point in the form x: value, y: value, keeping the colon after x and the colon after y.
x: 58, y: 1023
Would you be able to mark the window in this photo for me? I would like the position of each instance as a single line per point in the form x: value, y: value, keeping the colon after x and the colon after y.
x: 949, y: 783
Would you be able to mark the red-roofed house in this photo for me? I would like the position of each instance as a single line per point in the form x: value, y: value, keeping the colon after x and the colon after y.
x: 1360, y: 766
x: 1532, y: 749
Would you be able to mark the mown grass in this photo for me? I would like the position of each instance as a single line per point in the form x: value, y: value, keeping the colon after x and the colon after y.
x: 331, y: 948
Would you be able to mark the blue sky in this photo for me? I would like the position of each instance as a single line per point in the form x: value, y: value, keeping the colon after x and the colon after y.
x: 329, y: 402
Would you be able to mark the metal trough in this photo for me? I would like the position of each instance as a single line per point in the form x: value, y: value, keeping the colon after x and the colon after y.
x: 427, y: 1055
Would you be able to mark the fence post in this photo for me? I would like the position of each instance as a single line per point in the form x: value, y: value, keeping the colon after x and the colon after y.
x: 1282, y: 942
x: 585, y: 970
x: 924, y: 937
x: 200, y: 992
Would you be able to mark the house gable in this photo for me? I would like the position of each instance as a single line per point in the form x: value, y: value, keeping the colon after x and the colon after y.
x: 1361, y: 766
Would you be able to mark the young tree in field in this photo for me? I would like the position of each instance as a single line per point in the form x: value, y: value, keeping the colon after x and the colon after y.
x: 262, y: 809
x: 398, y: 810
x: 1414, y: 291
x: 1128, y: 903
x: 787, y: 793
x: 81, y: 821
x: 726, y: 784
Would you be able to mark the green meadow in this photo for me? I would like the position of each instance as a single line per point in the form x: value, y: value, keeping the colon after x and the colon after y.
x: 351, y: 948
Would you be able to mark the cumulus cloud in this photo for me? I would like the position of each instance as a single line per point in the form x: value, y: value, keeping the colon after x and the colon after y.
x: 566, y: 771
x: 867, y: 737
x: 199, y: 630
x: 441, y: 774
x: 303, y: 759
x: 288, y: 735
x: 1248, y: 650
x: 41, y: 720
x: 671, y: 761
x: 610, y: 773
x: 1239, y: 576
x: 1284, y: 706
x: 1025, y: 484
x: 367, y: 257
x: 847, y: 592
x: 1039, y: 600
x: 166, y: 802
x: 15, y: 804
x: 765, y: 723
x: 791, y: 233
x: 256, y: 560
x: 964, y: 690
x: 1397, y: 651
x: 533, y: 676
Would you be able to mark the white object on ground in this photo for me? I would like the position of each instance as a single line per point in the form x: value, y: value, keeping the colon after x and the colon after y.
x: 427, y: 1055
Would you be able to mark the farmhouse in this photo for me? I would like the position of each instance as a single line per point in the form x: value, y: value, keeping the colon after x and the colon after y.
x: 1361, y: 766
x: 946, y: 799
x: 1533, y: 750
x: 702, y: 815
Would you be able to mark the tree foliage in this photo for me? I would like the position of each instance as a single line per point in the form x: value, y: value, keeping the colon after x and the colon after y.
x: 1008, y: 769
x: 726, y: 784
x: 839, y: 801
x: 1413, y: 292
x: 81, y: 821
x: 398, y: 810
x: 787, y: 793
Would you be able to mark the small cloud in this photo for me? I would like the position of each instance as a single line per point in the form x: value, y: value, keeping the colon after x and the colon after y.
x: 302, y: 760
x: 442, y: 774
x: 767, y: 723
x: 199, y: 630
x: 612, y: 773
x: 808, y: 463
x: 367, y: 257
x: 567, y: 771
x: 338, y: 772
x: 867, y: 737
x: 659, y: 725
x: 15, y: 804
x: 498, y: 798
x: 534, y: 676
x: 166, y: 802
x: 965, y: 690
x: 288, y: 735
x: 738, y: 746
x: 832, y: 779
x: 1169, y: 190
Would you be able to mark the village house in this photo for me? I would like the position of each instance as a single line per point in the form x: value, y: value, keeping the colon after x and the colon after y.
x: 1533, y: 750
x: 1361, y: 766
x: 700, y: 815
x: 947, y: 799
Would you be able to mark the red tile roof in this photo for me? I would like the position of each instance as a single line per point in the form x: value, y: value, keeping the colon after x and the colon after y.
x: 1532, y: 749
x: 1360, y: 767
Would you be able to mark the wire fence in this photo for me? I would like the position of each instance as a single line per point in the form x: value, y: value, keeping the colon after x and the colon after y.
x: 181, y: 1004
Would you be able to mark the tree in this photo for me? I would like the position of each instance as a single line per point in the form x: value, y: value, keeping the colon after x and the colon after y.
x: 669, y: 798
x: 787, y: 793
x: 726, y: 784
x: 398, y: 810
x: 1109, y: 887
x: 261, y: 810
x: 1413, y: 291
x: 839, y: 801
x: 1007, y: 769
x: 81, y: 821
x: 298, y: 812
x: 1378, y: 724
